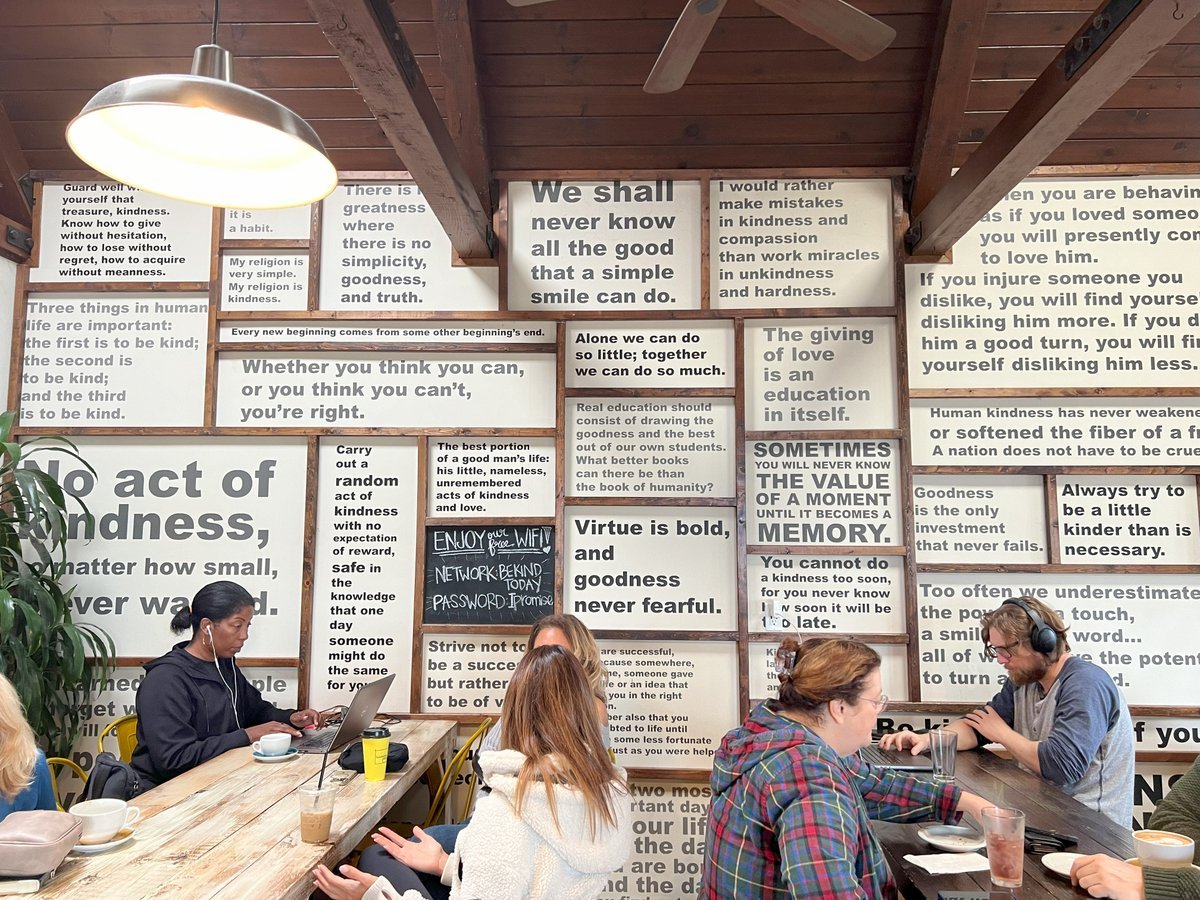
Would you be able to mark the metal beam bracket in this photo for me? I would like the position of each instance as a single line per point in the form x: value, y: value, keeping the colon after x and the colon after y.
x: 912, y: 237
x: 19, y: 238
x: 1103, y: 24
x: 25, y: 182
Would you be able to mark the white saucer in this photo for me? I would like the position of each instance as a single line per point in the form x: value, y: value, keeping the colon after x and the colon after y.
x: 282, y: 757
x: 952, y: 838
x: 126, y: 835
x: 1060, y: 863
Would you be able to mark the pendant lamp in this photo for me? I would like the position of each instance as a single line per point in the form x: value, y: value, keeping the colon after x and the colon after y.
x: 202, y: 138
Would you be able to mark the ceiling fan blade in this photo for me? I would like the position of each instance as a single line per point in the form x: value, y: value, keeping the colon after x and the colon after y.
x: 836, y: 23
x: 683, y: 46
x: 526, y: 2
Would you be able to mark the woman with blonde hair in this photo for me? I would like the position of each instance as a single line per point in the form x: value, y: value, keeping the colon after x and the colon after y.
x: 566, y: 630
x: 790, y: 798
x: 24, y: 776
x: 555, y: 822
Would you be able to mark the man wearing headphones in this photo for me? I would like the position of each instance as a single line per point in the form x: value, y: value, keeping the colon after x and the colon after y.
x: 1059, y: 715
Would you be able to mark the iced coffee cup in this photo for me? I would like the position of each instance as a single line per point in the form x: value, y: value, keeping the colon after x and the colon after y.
x: 316, y: 813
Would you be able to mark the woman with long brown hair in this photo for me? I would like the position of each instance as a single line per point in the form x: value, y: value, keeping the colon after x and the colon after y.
x: 555, y: 822
x: 562, y: 630
x: 791, y: 800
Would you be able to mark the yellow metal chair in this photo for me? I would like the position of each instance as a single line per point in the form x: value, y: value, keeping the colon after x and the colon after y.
x: 57, y: 763
x: 438, y: 804
x: 125, y: 729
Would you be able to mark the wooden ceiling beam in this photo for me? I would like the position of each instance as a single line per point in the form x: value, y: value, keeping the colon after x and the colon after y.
x: 462, y: 98
x: 956, y: 44
x: 16, y: 210
x: 1048, y: 113
x: 380, y: 63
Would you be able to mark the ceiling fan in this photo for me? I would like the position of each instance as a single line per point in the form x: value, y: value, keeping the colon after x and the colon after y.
x: 837, y: 23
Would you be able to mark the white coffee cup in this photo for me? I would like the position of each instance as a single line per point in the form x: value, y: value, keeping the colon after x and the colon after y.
x: 273, y: 744
x: 102, y: 819
x: 1164, y: 848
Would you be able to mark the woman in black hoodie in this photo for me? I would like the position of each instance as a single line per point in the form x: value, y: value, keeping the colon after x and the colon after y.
x: 194, y: 703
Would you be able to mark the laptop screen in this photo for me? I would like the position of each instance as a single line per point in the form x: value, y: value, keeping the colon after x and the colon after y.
x: 359, y: 714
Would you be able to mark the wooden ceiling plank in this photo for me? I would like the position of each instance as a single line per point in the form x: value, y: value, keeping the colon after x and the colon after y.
x: 382, y: 67
x: 712, y: 100
x: 849, y: 160
x: 1045, y: 116
x: 748, y: 69
x: 954, y: 50
x: 1157, y: 93
x: 690, y: 130
x: 13, y: 167
x: 1174, y: 61
x: 647, y: 35
x: 1102, y: 125
x: 462, y: 98
x: 135, y: 12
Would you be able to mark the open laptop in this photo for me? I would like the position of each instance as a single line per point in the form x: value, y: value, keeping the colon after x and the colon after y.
x: 358, y: 715
x: 895, y: 759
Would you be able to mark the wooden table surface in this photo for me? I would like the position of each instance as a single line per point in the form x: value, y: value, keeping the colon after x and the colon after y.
x: 1045, y: 807
x: 230, y: 828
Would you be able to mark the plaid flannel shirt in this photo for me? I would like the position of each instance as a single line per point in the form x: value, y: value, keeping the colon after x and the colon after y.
x: 789, y: 817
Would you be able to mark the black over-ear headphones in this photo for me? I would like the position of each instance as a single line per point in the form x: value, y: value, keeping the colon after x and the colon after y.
x: 1042, y: 637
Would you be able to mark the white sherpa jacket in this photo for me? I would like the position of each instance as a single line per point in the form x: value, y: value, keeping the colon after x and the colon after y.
x: 503, y: 856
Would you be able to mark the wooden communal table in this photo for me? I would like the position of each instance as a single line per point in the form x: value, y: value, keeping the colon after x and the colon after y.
x: 230, y: 828
x: 1045, y: 807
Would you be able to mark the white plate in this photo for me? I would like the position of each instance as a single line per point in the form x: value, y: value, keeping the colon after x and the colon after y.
x: 101, y: 848
x: 952, y: 838
x: 282, y: 757
x: 1060, y: 863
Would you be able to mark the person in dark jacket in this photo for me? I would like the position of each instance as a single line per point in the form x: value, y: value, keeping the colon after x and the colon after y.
x: 194, y: 702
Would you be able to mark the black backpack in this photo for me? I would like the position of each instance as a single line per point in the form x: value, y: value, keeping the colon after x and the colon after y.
x: 112, y: 779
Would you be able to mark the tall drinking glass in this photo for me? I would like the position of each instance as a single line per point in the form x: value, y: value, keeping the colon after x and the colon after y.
x: 943, y: 750
x: 1005, y: 832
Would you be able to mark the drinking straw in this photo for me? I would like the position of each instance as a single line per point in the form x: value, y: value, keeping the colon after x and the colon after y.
x: 324, y: 763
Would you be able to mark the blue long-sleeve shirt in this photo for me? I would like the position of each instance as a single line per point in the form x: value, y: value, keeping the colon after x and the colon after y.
x: 38, y: 795
x: 1084, y: 735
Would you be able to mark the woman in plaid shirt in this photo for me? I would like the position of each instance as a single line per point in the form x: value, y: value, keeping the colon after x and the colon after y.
x: 790, y: 800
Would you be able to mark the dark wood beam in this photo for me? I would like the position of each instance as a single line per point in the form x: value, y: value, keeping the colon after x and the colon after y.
x: 1049, y: 112
x: 462, y: 99
x: 960, y: 26
x: 380, y: 63
x: 16, y: 211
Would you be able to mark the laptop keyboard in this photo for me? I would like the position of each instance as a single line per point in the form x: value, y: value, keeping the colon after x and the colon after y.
x: 873, y: 755
x: 893, y: 759
x: 319, y: 740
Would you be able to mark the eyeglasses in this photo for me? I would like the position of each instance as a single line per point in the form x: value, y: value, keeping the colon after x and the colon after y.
x: 1001, y: 651
x: 880, y: 704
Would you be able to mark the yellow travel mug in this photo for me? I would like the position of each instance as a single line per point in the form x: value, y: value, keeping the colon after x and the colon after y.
x: 375, y: 743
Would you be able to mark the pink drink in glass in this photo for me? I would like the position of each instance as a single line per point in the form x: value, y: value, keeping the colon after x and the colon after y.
x: 1006, y: 858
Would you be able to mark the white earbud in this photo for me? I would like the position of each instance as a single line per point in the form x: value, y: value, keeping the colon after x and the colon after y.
x: 233, y: 691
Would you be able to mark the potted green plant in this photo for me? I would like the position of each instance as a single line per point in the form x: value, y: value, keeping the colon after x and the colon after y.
x: 52, y: 660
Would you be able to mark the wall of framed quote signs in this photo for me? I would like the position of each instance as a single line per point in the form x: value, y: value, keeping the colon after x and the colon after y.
x: 701, y: 412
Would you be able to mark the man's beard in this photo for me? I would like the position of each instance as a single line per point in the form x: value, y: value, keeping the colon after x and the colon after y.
x: 1035, y: 672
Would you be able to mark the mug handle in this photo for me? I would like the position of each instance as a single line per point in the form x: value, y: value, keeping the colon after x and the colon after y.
x: 256, y: 748
x: 132, y: 814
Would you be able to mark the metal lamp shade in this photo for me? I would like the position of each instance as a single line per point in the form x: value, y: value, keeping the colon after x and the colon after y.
x: 202, y: 138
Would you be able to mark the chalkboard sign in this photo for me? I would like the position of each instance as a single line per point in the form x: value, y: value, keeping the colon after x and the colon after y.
x: 488, y: 574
